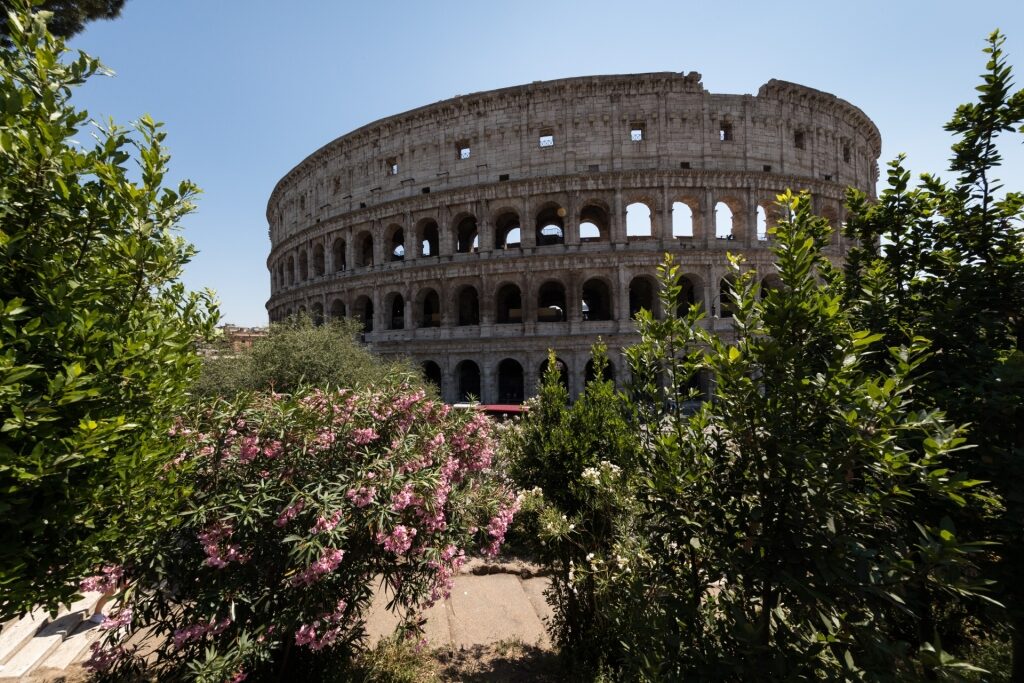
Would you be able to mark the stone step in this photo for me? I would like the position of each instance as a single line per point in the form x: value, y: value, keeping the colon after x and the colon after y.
x: 75, y: 647
x: 15, y: 635
x: 48, y: 638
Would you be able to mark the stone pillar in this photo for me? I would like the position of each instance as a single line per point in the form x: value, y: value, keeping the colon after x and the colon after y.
x: 527, y: 227
x: 707, y: 217
x: 488, y: 383
x: 485, y: 230
x: 577, y: 363
x: 407, y: 318
x: 618, y: 220
x: 665, y: 224
x: 572, y: 220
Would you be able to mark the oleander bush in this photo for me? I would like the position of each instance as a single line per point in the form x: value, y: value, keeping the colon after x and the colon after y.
x: 302, y: 506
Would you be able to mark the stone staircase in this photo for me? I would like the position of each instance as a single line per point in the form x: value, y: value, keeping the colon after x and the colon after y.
x: 37, y: 642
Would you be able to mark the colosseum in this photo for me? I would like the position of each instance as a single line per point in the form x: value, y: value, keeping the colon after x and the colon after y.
x: 474, y: 234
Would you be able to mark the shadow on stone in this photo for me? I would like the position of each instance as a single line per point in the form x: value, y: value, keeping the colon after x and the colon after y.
x: 502, y: 662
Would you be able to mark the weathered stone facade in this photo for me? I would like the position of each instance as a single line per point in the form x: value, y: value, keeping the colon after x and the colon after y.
x: 476, y: 233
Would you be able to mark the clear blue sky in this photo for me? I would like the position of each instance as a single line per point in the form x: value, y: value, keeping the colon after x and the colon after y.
x: 248, y: 88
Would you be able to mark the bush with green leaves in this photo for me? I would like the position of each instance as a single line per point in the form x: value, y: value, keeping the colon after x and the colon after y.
x: 97, y: 333
x: 297, y: 352
x: 303, y: 505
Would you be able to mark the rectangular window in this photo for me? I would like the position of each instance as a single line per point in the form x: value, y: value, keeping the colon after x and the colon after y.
x: 725, y: 132
x: 684, y: 164
x: 392, y: 166
x: 502, y: 177
x: 636, y: 132
x: 547, y: 139
x: 846, y: 154
x: 425, y: 190
x: 798, y: 139
x: 767, y: 168
x: 594, y: 168
x: 464, y: 149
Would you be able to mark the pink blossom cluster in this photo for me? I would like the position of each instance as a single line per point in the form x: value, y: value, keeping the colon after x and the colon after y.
x: 404, y: 498
x: 272, y: 449
x: 445, y: 570
x: 429, y: 448
x: 218, y: 553
x: 106, y: 581
x: 103, y: 658
x: 474, y: 444
x: 289, y: 513
x: 362, y: 496
x: 363, y: 436
x: 249, y: 448
x: 186, y: 635
x: 329, y: 560
x: 399, y: 540
x: 332, y: 628
x: 324, y: 524
x: 324, y: 439
x: 122, y: 618
x: 498, y: 525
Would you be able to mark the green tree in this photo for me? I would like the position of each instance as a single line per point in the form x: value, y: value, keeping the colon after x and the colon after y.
x: 97, y: 334
x: 68, y: 16
x: 945, y: 260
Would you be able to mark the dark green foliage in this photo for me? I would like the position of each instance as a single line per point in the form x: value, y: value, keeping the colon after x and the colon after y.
x: 69, y: 16
x: 945, y: 260
x: 96, y: 331
x: 297, y: 352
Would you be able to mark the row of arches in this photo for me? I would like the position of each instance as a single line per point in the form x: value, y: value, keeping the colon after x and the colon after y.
x: 510, y: 379
x: 728, y: 218
x: 551, y: 301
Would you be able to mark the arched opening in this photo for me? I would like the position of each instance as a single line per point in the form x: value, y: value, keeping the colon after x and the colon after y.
x: 551, y: 303
x: 397, y: 244
x: 510, y: 381
x: 303, y: 266
x: 429, y: 308
x: 395, y: 306
x: 363, y: 310
x: 682, y: 220
x: 302, y: 311
x: 337, y: 309
x: 280, y: 274
x: 551, y: 226
x: 467, y: 375
x: 467, y: 303
x: 563, y: 372
x: 724, y: 222
x: 318, y: 260
x: 506, y: 231
x: 429, y: 238
x: 726, y: 306
x: 595, y: 224
x: 338, y: 251
x: 689, y: 295
x: 597, y: 300
x: 365, y: 250
x: 467, y: 236
x: 641, y: 295
x: 589, y: 375
x: 762, y: 223
x: 291, y: 270
x: 638, y: 220
x: 318, y: 313
x: 432, y: 373
x: 769, y: 283
x: 509, y: 305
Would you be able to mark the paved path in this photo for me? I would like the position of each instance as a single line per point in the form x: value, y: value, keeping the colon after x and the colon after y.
x: 490, y: 602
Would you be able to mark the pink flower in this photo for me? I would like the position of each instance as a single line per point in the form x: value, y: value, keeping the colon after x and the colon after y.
x: 363, y: 436
x: 183, y: 636
x: 333, y: 628
x: 106, y: 581
x: 499, y: 525
x: 218, y: 553
x: 326, y: 524
x: 361, y: 497
x: 249, y: 449
x: 399, y: 540
x: 103, y: 658
x: 327, y: 563
x: 116, y: 621
x: 403, y: 499
x: 272, y: 449
x: 289, y: 513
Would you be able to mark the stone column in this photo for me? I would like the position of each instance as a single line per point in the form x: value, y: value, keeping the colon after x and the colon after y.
x: 665, y: 224
x: 618, y: 220
x: 572, y: 220
x: 488, y: 383
x: 707, y: 217
x: 527, y: 227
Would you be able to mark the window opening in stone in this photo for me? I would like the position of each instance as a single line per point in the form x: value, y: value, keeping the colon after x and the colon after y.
x: 799, y: 139
x: 723, y: 222
x: 318, y: 260
x: 398, y: 245
x: 563, y: 372
x: 338, y: 252
x: 467, y: 236
x: 510, y: 381
x: 767, y: 168
x: 337, y: 309
x: 396, y: 320
x: 392, y: 165
x: 682, y: 220
x: 464, y: 150
x: 364, y: 312
x: 430, y: 309
x: 684, y: 164
x: 546, y: 139
x: 468, y: 305
x: 762, y: 223
x: 318, y: 314
x: 425, y: 190
x: 506, y: 231
x: 641, y: 295
x: 636, y: 132
x: 429, y: 239
x: 589, y: 375
x: 770, y: 283
x: 366, y: 251
x: 503, y: 177
x: 725, y: 132
x: 687, y: 296
x: 551, y: 303
x: 726, y: 305
x: 291, y: 270
x: 432, y: 373
x: 303, y: 265
x: 551, y: 226
x: 597, y: 300
x: 467, y: 375
x: 846, y: 154
x: 280, y: 274
x: 509, y: 305
x: 638, y: 220
x: 594, y: 224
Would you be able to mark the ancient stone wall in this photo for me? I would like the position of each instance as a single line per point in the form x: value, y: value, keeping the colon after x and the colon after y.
x: 476, y: 233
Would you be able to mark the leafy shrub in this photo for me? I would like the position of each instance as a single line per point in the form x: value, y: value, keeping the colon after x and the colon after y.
x: 302, y: 505
x: 96, y: 332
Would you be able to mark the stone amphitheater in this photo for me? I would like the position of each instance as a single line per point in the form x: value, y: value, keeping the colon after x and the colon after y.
x: 474, y: 234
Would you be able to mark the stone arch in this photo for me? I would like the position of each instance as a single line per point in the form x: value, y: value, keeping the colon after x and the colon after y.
x: 683, y: 219
x: 337, y: 309
x: 302, y: 310
x: 394, y: 311
x: 508, y: 304
x: 728, y: 218
x: 595, y: 222
x: 318, y: 260
x: 428, y: 237
x: 395, y: 241
x: 690, y: 294
x: 551, y: 302
x: 726, y: 307
x: 770, y: 282
x: 428, y: 308
x: 511, y: 381
x: 507, y: 231
x: 467, y: 235
x: 432, y: 373
x: 339, y: 252
x: 467, y: 380
x: 639, y: 219
x: 762, y: 223
x: 467, y: 306
x: 550, y: 228
x: 643, y: 294
x: 563, y: 371
x: 280, y: 273
x: 597, y: 302
x: 362, y: 310
x: 291, y: 269
x: 364, y: 249
x: 317, y: 313
x: 303, y: 265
